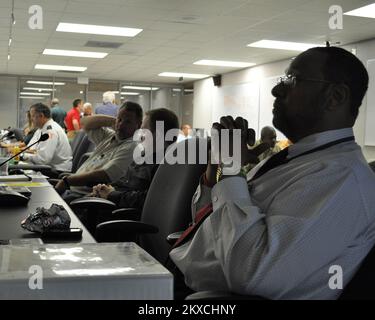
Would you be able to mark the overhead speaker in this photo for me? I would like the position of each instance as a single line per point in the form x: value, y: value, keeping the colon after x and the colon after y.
x: 217, y: 80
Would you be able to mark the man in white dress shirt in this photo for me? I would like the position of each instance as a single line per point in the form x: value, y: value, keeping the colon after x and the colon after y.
x: 278, y: 233
x: 55, y: 151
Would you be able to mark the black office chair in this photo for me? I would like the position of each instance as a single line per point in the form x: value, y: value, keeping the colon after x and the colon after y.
x: 360, y: 287
x: 80, y: 145
x: 77, y: 140
x: 80, y: 152
x: 81, y: 148
x: 166, y: 208
x: 372, y: 165
x: 18, y: 133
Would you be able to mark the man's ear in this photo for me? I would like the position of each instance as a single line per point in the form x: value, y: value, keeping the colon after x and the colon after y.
x: 338, y: 95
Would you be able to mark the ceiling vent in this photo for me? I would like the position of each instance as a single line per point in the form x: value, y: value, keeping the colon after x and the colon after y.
x: 187, y: 20
x: 65, y: 71
x: 103, y: 44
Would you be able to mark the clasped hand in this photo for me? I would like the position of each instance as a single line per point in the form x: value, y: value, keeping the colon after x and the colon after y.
x: 247, y: 137
x: 102, y: 191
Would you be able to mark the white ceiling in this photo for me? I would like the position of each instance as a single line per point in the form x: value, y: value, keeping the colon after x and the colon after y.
x: 175, y: 34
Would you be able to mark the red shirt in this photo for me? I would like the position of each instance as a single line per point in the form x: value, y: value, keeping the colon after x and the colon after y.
x: 72, y: 114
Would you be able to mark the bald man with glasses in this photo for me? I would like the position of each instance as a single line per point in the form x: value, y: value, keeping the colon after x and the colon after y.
x: 277, y: 231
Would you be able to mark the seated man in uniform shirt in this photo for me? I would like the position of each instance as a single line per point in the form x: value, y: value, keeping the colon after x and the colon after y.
x: 55, y: 151
x: 112, y: 155
x: 277, y: 232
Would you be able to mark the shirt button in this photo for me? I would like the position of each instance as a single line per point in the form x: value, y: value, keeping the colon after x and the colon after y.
x: 214, y: 198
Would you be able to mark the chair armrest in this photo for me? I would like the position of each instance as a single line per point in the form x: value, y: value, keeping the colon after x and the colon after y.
x: 92, y: 203
x: 30, y: 166
x: 220, y: 295
x: 122, y: 230
x: 126, y: 214
x: 43, y: 168
x: 173, y: 237
x: 53, y: 182
x: 63, y: 174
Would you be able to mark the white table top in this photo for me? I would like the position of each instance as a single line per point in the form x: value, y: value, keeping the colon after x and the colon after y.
x: 83, y: 271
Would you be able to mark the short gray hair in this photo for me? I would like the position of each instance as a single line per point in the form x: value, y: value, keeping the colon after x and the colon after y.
x: 42, y: 109
x: 55, y: 101
x: 108, y: 96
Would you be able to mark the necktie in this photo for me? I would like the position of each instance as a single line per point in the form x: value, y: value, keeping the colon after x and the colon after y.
x: 201, y: 215
x: 274, y: 161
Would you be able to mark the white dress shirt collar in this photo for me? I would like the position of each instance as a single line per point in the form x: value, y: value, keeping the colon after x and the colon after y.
x: 48, y: 123
x: 318, y: 139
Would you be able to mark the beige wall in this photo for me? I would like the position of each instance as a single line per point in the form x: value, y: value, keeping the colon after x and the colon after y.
x: 203, y: 92
x: 8, y: 102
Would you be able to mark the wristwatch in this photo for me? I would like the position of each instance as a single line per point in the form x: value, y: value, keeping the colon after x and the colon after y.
x: 65, y: 180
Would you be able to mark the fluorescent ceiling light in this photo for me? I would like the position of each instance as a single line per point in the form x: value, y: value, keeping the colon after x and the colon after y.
x: 183, y: 75
x: 39, y: 89
x: 366, y: 11
x: 39, y: 97
x: 46, y: 83
x: 140, y: 88
x: 59, y: 68
x: 34, y: 94
x: 71, y: 53
x: 282, y: 45
x: 130, y: 93
x: 220, y: 63
x: 94, y: 29
x: 185, y: 90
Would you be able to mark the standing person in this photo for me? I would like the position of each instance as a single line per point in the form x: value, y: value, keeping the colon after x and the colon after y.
x: 87, y: 109
x: 73, y: 119
x: 58, y: 113
x: 108, y: 107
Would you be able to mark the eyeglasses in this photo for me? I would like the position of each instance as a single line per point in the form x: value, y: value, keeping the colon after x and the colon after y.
x: 291, y: 81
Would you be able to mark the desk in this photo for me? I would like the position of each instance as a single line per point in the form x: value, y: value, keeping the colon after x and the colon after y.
x: 83, y: 271
x: 11, y: 217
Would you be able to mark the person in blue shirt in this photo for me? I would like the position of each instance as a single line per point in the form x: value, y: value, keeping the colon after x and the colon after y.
x: 108, y: 107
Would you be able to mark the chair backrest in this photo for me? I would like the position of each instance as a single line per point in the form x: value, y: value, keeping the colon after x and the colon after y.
x: 372, y: 165
x: 77, y: 140
x: 362, y: 285
x: 18, y: 133
x: 168, y: 202
x: 83, y: 146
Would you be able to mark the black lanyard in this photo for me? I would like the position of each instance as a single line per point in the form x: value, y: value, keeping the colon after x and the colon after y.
x: 324, y: 146
x: 280, y: 157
